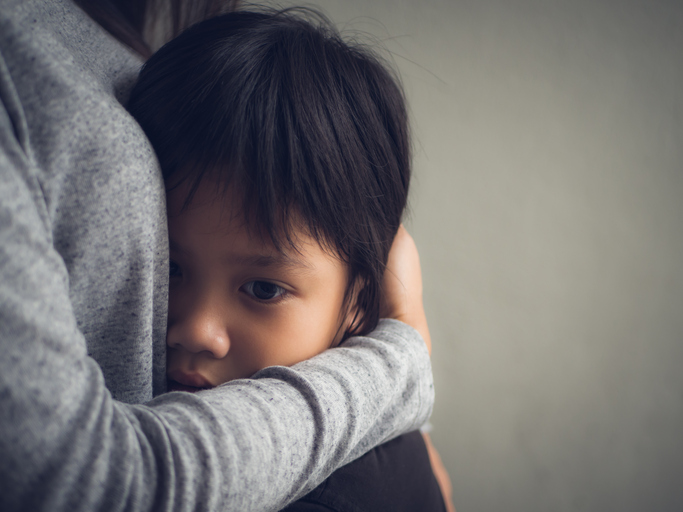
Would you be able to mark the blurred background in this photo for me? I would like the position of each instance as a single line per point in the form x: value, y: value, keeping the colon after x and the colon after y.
x: 547, y: 206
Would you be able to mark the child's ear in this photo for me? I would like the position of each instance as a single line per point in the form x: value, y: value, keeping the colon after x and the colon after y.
x: 351, y: 315
x: 349, y: 321
x: 353, y: 321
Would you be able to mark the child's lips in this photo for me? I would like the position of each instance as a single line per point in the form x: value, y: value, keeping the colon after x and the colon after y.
x: 172, y: 385
x: 190, y: 382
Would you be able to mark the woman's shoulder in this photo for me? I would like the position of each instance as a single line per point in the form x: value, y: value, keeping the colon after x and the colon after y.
x: 54, y: 40
x: 88, y: 166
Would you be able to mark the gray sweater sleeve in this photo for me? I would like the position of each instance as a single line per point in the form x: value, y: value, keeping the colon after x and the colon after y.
x: 82, y: 252
x: 285, y: 431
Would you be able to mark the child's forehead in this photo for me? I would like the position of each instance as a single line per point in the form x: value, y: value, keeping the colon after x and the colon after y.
x: 226, y: 210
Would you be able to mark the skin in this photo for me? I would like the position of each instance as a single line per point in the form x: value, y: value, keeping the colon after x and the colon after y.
x: 236, y: 304
x: 402, y: 286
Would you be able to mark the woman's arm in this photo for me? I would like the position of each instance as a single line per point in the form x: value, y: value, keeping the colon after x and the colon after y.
x: 403, y: 301
x: 402, y: 286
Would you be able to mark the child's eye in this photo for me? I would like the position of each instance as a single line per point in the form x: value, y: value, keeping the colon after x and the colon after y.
x: 263, y: 290
x: 173, y: 269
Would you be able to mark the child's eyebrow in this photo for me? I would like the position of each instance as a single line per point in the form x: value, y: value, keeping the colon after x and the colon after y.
x: 266, y: 261
x: 277, y: 260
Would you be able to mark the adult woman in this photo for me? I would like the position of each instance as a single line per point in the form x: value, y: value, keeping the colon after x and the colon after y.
x: 83, y: 267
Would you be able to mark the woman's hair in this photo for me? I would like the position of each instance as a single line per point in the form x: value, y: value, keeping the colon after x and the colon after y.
x: 304, y: 125
x: 144, y: 25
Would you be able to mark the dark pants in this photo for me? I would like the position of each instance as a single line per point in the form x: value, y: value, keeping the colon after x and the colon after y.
x: 396, y: 476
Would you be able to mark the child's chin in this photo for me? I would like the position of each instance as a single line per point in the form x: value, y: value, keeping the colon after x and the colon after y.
x: 177, y: 386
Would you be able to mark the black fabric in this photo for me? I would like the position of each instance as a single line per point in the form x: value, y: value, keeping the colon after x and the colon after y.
x: 396, y: 476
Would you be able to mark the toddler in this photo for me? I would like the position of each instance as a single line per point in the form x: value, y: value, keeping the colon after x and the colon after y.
x: 286, y: 156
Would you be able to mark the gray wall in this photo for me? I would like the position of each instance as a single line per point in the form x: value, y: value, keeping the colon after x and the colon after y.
x: 548, y: 209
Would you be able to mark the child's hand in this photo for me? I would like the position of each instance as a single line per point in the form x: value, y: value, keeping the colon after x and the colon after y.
x: 402, y: 286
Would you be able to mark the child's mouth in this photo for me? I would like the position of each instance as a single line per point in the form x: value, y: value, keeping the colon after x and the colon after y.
x: 178, y: 380
x: 172, y: 385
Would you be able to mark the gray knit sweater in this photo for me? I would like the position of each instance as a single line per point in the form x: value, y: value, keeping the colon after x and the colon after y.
x: 83, y: 281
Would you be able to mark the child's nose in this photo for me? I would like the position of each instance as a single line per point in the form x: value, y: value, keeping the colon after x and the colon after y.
x: 203, y: 330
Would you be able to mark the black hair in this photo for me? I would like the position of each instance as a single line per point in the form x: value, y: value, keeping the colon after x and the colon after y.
x: 302, y: 123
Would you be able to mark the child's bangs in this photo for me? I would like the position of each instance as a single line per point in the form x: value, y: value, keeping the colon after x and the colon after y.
x: 270, y: 210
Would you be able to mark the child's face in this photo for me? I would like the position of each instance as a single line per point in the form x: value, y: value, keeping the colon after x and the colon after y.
x: 236, y: 304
